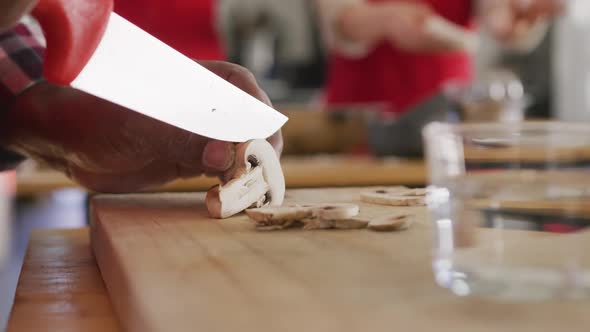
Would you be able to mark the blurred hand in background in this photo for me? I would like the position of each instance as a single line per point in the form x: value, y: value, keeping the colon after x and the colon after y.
x: 515, y: 21
x: 403, y: 23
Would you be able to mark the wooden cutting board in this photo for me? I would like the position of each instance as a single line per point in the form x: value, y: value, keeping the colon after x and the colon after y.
x: 168, y: 267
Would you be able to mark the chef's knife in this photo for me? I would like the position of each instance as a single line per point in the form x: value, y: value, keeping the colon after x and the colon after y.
x: 131, y: 68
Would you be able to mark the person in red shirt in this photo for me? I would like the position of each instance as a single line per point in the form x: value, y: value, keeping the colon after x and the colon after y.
x: 381, y: 51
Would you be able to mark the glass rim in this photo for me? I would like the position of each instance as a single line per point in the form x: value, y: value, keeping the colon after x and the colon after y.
x: 436, y: 128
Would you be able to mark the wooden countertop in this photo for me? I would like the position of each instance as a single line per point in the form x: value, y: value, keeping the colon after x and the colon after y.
x: 60, y: 287
x: 325, y: 280
x: 311, y: 172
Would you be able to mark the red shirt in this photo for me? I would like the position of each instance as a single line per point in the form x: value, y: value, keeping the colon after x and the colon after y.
x: 397, y: 78
x: 189, y: 26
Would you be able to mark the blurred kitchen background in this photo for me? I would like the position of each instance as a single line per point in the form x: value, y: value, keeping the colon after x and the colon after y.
x: 281, y: 42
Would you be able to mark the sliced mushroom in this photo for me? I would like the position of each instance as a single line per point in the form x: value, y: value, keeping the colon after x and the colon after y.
x: 392, y: 223
x: 369, y: 196
x: 353, y: 223
x: 315, y: 224
x: 255, y: 180
x: 334, y: 211
x: 312, y: 216
x: 395, y: 196
x: 416, y: 192
x: 278, y: 215
x: 405, y: 201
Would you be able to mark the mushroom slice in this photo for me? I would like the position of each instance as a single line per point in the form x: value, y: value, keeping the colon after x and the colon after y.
x: 406, y: 201
x: 277, y: 216
x: 353, y: 223
x: 416, y: 192
x: 388, y: 190
x: 315, y: 223
x: 391, y: 223
x: 338, y: 211
x: 395, y: 197
x: 255, y: 180
x: 328, y: 216
x: 332, y: 211
x: 312, y: 216
x: 274, y: 226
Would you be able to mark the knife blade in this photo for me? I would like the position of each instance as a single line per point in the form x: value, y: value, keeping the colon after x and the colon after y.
x: 135, y: 70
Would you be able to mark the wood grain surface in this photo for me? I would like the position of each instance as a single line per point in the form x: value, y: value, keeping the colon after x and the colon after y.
x: 300, y: 172
x: 168, y: 267
x: 60, y: 287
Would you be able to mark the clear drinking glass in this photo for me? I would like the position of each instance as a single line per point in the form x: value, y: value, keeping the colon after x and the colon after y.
x: 511, y: 207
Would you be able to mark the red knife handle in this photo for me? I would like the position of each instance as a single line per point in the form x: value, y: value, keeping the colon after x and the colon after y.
x: 73, y: 29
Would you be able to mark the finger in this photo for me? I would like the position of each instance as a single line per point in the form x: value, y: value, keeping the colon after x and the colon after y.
x: 276, y: 141
x: 183, y: 148
x: 265, y: 98
x: 218, y: 156
x: 245, y: 80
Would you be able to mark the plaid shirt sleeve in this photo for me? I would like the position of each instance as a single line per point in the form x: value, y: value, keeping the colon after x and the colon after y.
x: 21, y: 66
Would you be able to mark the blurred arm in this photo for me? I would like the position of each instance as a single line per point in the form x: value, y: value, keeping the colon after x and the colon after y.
x: 519, y: 25
x: 347, y: 26
x: 354, y: 26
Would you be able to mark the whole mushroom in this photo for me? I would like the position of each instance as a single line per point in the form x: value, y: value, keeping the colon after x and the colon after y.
x: 256, y: 180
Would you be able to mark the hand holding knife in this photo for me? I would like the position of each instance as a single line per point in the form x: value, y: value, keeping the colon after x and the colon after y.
x: 89, y: 131
x: 103, y: 54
